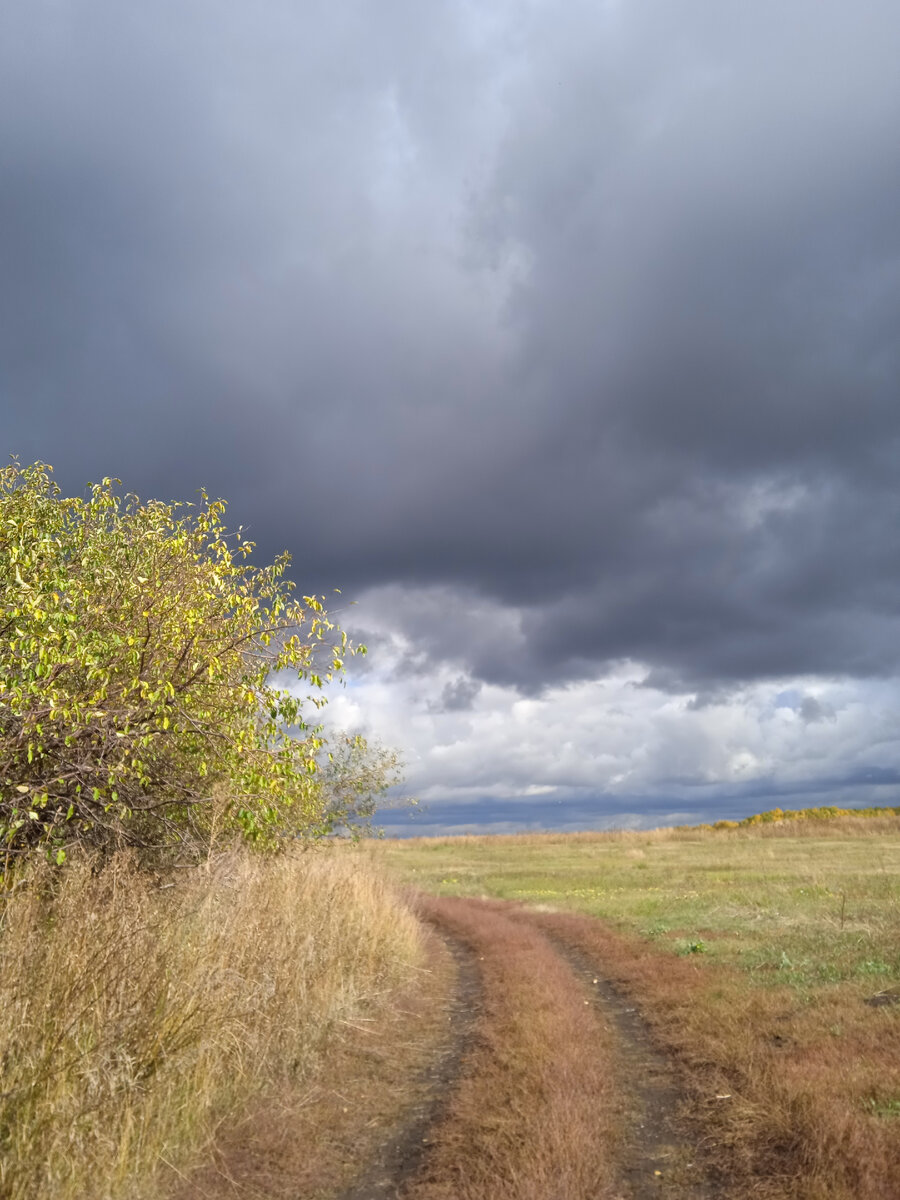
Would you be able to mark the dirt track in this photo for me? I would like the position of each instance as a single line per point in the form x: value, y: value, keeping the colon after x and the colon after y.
x: 512, y: 1070
x: 551, y: 1087
x: 400, y: 1156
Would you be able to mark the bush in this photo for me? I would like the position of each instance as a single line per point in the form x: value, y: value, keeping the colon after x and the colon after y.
x: 140, y: 655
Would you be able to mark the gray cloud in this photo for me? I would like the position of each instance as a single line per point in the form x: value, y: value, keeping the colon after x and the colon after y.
x: 581, y: 323
x: 458, y: 695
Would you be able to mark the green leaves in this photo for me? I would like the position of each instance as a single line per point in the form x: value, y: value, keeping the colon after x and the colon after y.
x: 138, y: 653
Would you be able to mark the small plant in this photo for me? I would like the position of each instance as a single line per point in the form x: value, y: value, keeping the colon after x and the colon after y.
x: 657, y: 929
x: 693, y: 946
x: 874, y: 967
x: 884, y: 1108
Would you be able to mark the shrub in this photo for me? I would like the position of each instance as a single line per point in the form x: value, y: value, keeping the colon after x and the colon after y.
x: 140, y: 654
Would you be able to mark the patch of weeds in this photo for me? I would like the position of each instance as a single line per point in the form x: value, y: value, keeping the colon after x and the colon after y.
x: 884, y: 1108
x: 692, y: 946
x: 657, y: 929
x: 874, y: 966
x: 828, y: 972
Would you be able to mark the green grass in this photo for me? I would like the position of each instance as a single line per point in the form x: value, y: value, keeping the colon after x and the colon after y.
x: 750, y: 952
x: 801, y: 909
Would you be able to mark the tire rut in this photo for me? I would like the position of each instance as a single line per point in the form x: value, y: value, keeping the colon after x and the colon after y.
x: 659, y: 1149
x: 402, y: 1154
x: 650, y: 1150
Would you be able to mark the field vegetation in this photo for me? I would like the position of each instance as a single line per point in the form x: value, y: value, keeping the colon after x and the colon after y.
x: 142, y: 1014
x: 173, y: 944
x: 806, y: 904
x: 765, y: 959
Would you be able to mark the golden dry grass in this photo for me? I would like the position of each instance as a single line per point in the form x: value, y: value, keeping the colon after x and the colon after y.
x: 140, y: 1013
x: 834, y: 827
x: 338, y: 1132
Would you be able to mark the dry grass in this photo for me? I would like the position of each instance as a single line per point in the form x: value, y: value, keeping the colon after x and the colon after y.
x: 792, y: 1079
x: 755, y: 955
x: 834, y: 827
x: 139, y: 1014
x: 331, y: 1135
x: 536, y: 1112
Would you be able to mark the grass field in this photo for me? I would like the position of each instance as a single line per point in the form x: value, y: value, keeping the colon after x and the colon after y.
x: 804, y: 906
x: 766, y: 960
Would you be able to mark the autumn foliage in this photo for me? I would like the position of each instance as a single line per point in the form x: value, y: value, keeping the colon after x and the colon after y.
x: 144, y: 665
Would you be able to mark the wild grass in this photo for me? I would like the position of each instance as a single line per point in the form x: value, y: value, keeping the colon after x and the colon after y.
x: 141, y: 1013
x: 775, y: 901
x: 765, y: 960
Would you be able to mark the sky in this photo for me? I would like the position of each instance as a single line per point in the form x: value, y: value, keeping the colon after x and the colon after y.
x: 561, y: 338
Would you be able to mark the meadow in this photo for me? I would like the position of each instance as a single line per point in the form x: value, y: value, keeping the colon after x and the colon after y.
x: 809, y: 905
x: 270, y: 1021
x: 765, y: 961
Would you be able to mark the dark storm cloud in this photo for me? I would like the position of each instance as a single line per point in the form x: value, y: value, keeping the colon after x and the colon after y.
x: 592, y: 312
x: 458, y: 695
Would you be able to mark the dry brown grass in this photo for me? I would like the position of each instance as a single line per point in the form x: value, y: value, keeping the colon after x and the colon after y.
x: 139, y: 1014
x: 536, y: 1112
x: 796, y: 1076
x: 326, y: 1135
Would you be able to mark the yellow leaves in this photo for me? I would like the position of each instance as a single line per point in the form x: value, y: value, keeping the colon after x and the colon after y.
x: 159, y: 625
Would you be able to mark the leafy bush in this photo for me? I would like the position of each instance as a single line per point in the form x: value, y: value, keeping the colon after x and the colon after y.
x: 140, y: 654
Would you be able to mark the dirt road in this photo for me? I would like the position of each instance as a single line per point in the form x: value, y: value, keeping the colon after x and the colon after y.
x: 513, y: 1069
x: 551, y: 1088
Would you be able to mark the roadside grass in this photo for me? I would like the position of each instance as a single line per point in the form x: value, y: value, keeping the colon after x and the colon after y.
x: 142, y: 1014
x: 331, y: 1132
x: 765, y: 959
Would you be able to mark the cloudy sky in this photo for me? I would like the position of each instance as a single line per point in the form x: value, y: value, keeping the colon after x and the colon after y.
x: 564, y: 339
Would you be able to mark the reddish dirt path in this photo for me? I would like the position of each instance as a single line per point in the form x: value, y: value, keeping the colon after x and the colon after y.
x: 512, y: 1071
x: 560, y: 1092
x: 660, y: 1154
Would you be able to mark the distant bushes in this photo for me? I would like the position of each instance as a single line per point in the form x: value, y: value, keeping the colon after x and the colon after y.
x: 827, y: 813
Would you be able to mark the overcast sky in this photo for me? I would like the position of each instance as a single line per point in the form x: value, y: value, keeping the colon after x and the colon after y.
x: 563, y: 338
